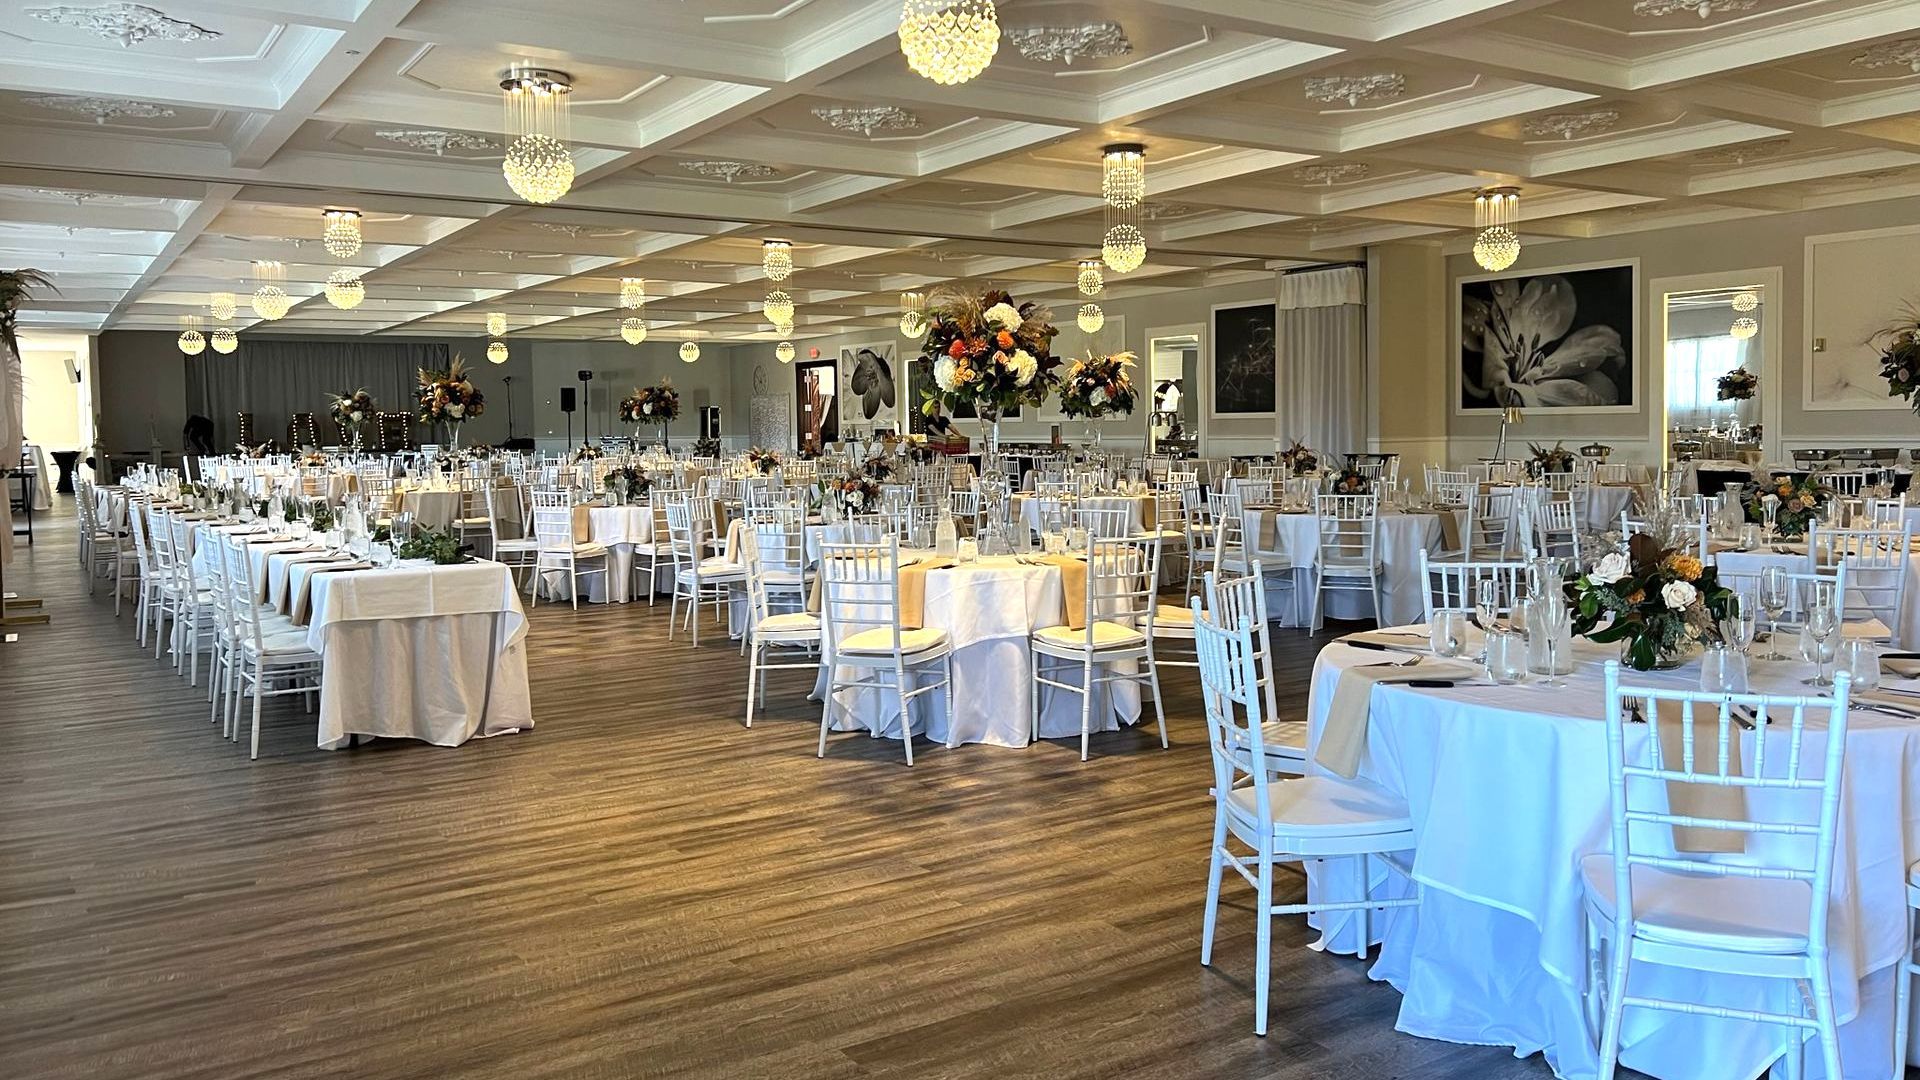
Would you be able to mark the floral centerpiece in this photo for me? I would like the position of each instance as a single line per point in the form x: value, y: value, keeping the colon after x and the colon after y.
x: 764, y: 461
x: 880, y: 467
x: 1350, y: 482
x: 652, y: 405
x: 1554, y: 459
x: 241, y: 449
x: 853, y: 493
x: 1097, y: 386
x: 586, y: 453
x: 449, y: 397
x: 1737, y: 385
x: 1299, y: 460
x: 1794, y: 502
x: 313, y: 459
x: 987, y: 354
x: 1655, y: 599
x: 350, y: 410
x: 626, y: 484
x: 1900, y: 356
x: 706, y: 447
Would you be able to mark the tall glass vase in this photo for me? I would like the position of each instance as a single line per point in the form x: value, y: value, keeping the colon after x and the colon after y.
x: 664, y: 444
x: 995, y: 490
x: 453, y: 435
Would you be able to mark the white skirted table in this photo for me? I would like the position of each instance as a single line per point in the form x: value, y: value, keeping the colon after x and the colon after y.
x: 1296, y: 541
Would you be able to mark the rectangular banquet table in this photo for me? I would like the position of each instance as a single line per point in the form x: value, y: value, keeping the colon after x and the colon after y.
x: 1507, y: 787
x: 420, y: 651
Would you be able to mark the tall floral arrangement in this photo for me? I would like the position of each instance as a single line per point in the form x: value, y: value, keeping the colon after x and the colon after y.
x: 1654, y: 598
x: 988, y: 354
x: 651, y: 405
x: 351, y: 409
x: 1098, y: 385
x: 1736, y: 385
x: 853, y: 493
x: 1299, y: 459
x: 449, y: 397
x: 764, y: 461
x: 1549, y: 459
x: 1350, y: 482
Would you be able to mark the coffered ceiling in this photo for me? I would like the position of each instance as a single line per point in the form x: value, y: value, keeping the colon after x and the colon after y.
x: 153, y: 150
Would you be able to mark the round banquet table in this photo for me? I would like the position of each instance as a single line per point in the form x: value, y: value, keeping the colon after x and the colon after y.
x: 619, y: 529
x: 1135, y: 506
x: 1508, y: 790
x: 988, y: 608
x: 1297, y: 540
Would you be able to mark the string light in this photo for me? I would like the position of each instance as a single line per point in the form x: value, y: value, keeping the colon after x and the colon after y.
x: 776, y: 258
x: 539, y: 163
x: 341, y: 233
x: 345, y: 290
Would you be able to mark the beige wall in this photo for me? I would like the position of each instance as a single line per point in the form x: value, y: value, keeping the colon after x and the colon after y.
x: 52, y: 399
x: 1407, y: 352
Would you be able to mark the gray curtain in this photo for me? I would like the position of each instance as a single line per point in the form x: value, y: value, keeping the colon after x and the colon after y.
x: 273, y: 380
x: 1322, y: 359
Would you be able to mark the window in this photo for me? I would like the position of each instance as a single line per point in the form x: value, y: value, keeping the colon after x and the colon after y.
x: 1694, y: 367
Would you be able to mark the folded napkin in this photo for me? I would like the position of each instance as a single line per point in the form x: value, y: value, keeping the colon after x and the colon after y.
x: 1149, y: 513
x: 1344, y: 737
x: 1073, y: 588
x: 1906, y: 704
x: 1702, y: 800
x: 1901, y: 667
x: 1449, y: 529
x: 913, y: 591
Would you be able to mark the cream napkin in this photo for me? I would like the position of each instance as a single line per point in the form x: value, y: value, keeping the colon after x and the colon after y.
x: 1344, y: 737
x: 913, y: 591
x: 1073, y: 588
x: 1449, y: 529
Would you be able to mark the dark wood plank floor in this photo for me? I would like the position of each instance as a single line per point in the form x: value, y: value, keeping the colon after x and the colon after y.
x: 639, y: 887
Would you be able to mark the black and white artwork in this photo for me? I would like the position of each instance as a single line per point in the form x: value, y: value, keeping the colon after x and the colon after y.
x: 1243, y: 360
x: 868, y: 394
x: 1561, y: 338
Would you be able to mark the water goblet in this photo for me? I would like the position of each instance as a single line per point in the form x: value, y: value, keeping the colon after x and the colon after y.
x: 1737, y: 628
x: 1773, y: 598
x: 1486, y: 606
x: 1819, y: 639
x: 1723, y: 670
x: 1506, y: 656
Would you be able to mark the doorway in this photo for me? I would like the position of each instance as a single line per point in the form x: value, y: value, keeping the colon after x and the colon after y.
x: 814, y: 385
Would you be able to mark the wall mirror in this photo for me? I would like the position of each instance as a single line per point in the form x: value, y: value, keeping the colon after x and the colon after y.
x: 1172, y: 372
x: 1713, y: 384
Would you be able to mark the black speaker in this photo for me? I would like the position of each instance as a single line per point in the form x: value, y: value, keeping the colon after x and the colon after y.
x: 709, y: 421
x: 566, y: 399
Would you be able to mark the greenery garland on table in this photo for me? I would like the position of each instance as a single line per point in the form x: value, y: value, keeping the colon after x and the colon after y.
x: 444, y: 548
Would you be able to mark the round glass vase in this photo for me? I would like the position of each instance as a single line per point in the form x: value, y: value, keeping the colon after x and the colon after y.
x: 1662, y: 660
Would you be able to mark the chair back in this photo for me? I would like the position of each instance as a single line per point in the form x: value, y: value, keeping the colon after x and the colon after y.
x: 553, y: 520
x: 1456, y: 585
x: 1876, y: 563
x: 1102, y: 521
x: 1446, y: 488
x: 496, y: 513
x: 1123, y: 574
x: 1349, y: 529
x: 241, y: 596
x: 180, y: 537
x: 1792, y: 788
x: 1846, y: 483
x: 1241, y: 600
x: 1885, y: 513
x: 684, y: 531
x: 1230, y: 691
x: 860, y: 588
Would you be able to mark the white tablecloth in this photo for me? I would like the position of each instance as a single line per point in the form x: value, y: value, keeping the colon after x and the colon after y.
x: 422, y: 652
x: 1135, y: 506
x: 1297, y: 540
x: 1748, y: 564
x: 620, y: 529
x: 1508, y: 790
x: 989, y: 608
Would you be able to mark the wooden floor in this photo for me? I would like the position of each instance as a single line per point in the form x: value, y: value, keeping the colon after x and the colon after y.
x: 639, y: 887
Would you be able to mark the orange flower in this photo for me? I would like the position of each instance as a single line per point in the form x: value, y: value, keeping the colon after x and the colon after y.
x: 1636, y: 596
x: 1684, y: 566
x: 1005, y: 340
x: 958, y: 349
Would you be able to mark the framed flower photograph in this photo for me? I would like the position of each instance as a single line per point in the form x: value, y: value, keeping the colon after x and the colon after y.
x: 1564, y: 338
x: 869, y: 393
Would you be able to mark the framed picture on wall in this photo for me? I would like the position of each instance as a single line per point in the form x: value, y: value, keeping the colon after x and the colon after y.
x: 869, y: 393
x: 1241, y: 378
x: 1564, y: 338
x: 1074, y: 344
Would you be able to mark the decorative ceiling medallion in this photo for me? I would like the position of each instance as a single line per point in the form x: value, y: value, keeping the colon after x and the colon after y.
x: 1571, y: 125
x: 867, y: 119
x: 79, y: 198
x: 1331, y: 173
x: 1046, y: 44
x: 1354, y: 89
x: 436, y: 140
x: 102, y: 109
x: 128, y: 24
x: 563, y: 229
x: 1654, y: 9
x: 1904, y: 54
x: 1155, y: 211
x: 1743, y: 153
x: 728, y: 170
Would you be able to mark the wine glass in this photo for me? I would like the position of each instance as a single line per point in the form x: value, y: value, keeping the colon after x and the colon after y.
x: 1819, y: 638
x: 1723, y: 670
x: 1486, y: 606
x: 1506, y: 656
x: 1773, y: 597
x: 1770, y: 511
x: 1447, y: 634
x: 1736, y: 629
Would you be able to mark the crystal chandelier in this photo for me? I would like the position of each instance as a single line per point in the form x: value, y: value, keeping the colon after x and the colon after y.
x: 783, y: 352
x: 1090, y: 280
x: 1091, y: 318
x: 779, y: 307
x: 1743, y: 328
x: 345, y: 290
x: 497, y: 352
x: 496, y: 324
x: 633, y: 292
x: 1123, y: 184
x: 949, y: 41
x: 341, y: 233
x: 223, y: 340
x: 1494, y: 212
x: 784, y: 329
x: 539, y: 162
x: 913, y: 314
x: 1745, y: 301
x: 221, y: 305
x: 776, y: 258
x: 1124, y: 248
x: 270, y: 300
x: 191, y: 341
x: 689, y: 351
x: 633, y: 330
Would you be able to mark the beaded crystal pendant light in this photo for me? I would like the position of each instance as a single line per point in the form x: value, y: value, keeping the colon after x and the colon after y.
x: 191, y: 341
x: 633, y: 330
x: 496, y: 323
x: 1091, y: 318
x: 539, y: 161
x: 913, y: 314
x: 345, y: 289
x: 689, y: 351
x: 783, y: 352
x: 1743, y: 328
x: 779, y: 307
x: 497, y: 352
x: 1091, y: 281
x: 223, y: 340
x: 1494, y: 212
x: 340, y: 234
x: 633, y: 293
x: 776, y: 258
x: 221, y: 306
x: 1123, y: 184
x: 270, y: 299
x: 949, y: 41
x: 784, y: 329
x: 1746, y: 300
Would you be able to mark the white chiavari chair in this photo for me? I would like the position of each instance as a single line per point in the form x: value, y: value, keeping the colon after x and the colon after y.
x: 1118, y: 612
x: 166, y: 571
x: 147, y: 608
x: 1848, y: 484
x: 964, y: 505
x: 867, y: 647
x: 1196, y: 511
x: 1242, y: 601
x: 1307, y: 817
x: 517, y: 553
x: 778, y: 623
x: 1763, y: 917
x: 1456, y: 585
x: 1876, y: 562
x: 1884, y: 513
x: 1556, y: 524
x: 697, y: 577
x: 557, y: 549
x: 1446, y: 488
x: 1107, y: 522
x: 266, y: 662
x: 193, y: 609
x: 1349, y: 555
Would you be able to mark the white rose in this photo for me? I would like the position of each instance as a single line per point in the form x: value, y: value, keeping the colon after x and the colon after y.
x: 646, y: 410
x: 1678, y: 595
x: 1099, y: 395
x: 1610, y: 569
x: 943, y: 374
x: 1003, y: 316
x: 456, y: 410
x: 1023, y: 366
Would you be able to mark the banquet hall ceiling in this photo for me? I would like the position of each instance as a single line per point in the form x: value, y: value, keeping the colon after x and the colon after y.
x: 153, y: 150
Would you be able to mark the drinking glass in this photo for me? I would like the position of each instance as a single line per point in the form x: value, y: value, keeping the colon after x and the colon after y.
x: 1749, y: 537
x: 1769, y: 510
x: 1861, y: 659
x: 1773, y: 597
x: 1506, y: 656
x: 1447, y: 636
x: 1486, y: 606
x: 1818, y: 640
x: 1723, y: 670
x: 1738, y: 625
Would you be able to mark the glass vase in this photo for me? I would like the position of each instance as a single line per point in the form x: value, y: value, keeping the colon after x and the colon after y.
x: 995, y: 490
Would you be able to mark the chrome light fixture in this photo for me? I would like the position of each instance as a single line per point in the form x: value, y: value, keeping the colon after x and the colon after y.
x: 345, y: 289
x: 949, y: 41
x: 1494, y: 212
x: 633, y: 330
x: 783, y: 352
x: 539, y: 161
x: 341, y: 233
x: 497, y: 352
x: 270, y: 299
x: 776, y: 258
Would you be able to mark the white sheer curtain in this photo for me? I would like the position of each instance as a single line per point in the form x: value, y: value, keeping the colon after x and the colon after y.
x: 1694, y: 367
x: 1322, y: 359
x: 275, y: 379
